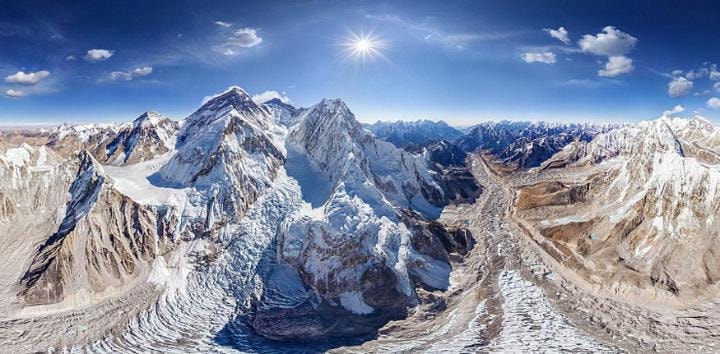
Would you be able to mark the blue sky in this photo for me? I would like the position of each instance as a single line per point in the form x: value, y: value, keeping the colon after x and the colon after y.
x: 460, y: 61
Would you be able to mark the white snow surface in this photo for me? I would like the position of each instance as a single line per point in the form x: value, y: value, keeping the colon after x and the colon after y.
x: 134, y: 182
x: 359, y: 185
x: 369, y: 181
x: 353, y: 302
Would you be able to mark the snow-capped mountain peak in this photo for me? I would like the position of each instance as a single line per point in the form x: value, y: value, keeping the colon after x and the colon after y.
x: 228, y: 147
x: 220, y: 109
x: 148, y: 119
x: 233, y: 98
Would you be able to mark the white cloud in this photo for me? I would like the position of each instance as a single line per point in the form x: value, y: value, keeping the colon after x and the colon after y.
x: 713, y: 102
x: 14, y: 93
x: 616, y: 66
x: 544, y: 57
x: 246, y: 37
x: 70, y: 57
x: 132, y: 74
x: 693, y: 75
x: 96, y: 55
x: 223, y: 24
x: 610, y: 42
x: 675, y: 110
x: 717, y: 86
x: 27, y: 79
x: 715, y: 75
x: 677, y: 72
x: 268, y: 95
x: 589, y: 83
x: 238, y: 40
x: 560, y: 34
x: 679, y: 87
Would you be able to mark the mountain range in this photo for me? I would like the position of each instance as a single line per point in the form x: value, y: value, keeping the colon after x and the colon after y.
x: 402, y: 134
x: 259, y: 226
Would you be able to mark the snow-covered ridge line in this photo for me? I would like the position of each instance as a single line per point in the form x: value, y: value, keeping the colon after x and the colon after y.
x: 406, y: 133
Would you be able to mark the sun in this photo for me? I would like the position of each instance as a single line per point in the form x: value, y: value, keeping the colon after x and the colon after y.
x: 363, y: 46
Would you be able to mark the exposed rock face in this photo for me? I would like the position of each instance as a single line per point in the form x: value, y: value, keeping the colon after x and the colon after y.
x: 33, y: 192
x: 360, y: 248
x: 68, y: 140
x: 440, y: 152
x: 647, y: 217
x: 449, y: 163
x: 104, y: 240
x: 147, y: 137
x: 10, y: 137
x: 526, y: 153
x: 318, y: 229
x: 226, y: 149
x: 336, y: 141
x: 420, y: 132
x: 151, y: 135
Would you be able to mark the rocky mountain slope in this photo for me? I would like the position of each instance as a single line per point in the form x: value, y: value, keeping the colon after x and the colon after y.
x: 402, y: 134
x: 151, y: 135
x: 364, y: 242
x: 261, y: 227
x: 643, y: 218
x: 147, y: 137
x: 151, y: 197
x: 105, y: 240
x: 227, y: 151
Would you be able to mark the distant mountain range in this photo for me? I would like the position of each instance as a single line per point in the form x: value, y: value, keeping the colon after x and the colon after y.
x: 519, y: 144
x: 402, y: 133
x: 259, y: 226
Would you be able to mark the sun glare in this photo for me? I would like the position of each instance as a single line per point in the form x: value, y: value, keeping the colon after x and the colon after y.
x: 362, y: 47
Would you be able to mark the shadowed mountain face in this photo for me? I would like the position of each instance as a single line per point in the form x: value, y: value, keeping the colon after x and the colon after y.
x: 259, y: 226
x: 168, y: 210
x: 371, y: 263
x: 284, y: 113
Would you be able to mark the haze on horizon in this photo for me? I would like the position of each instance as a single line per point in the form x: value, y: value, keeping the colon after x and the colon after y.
x: 462, y: 62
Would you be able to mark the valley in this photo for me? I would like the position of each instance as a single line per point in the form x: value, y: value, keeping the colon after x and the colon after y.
x: 261, y: 227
